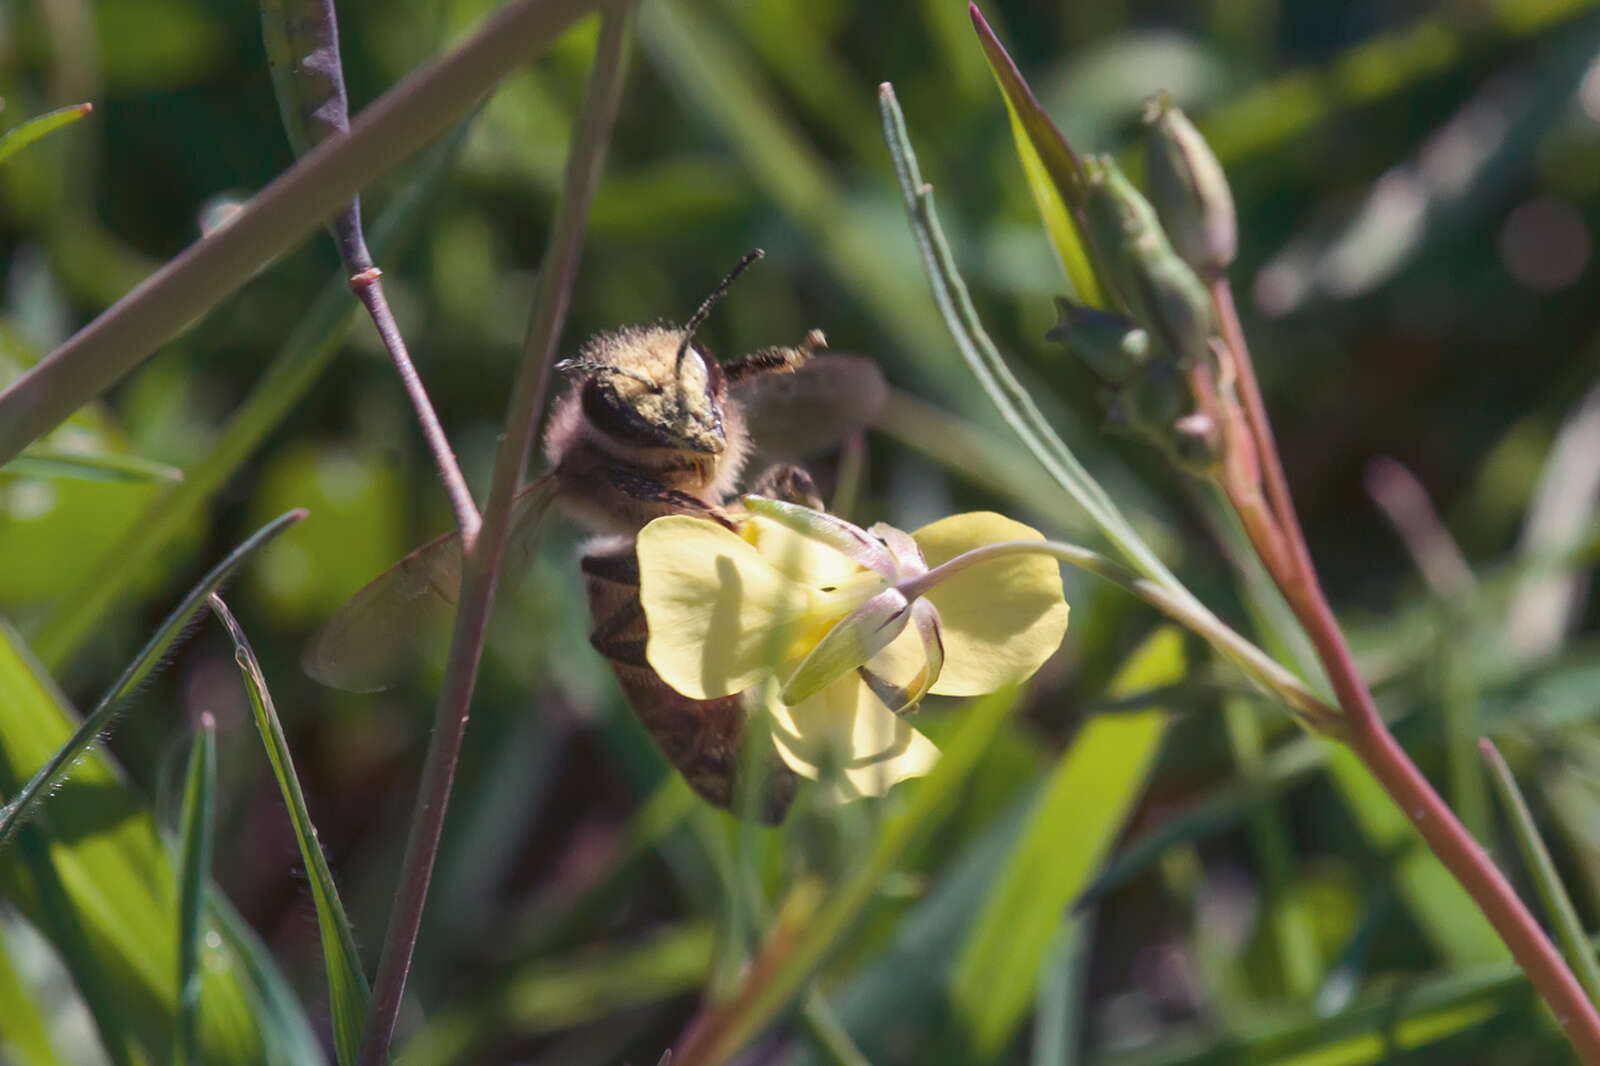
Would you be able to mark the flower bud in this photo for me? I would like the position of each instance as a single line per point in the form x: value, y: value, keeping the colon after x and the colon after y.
x: 1189, y: 190
x: 1159, y: 289
x: 862, y: 634
x: 1108, y: 343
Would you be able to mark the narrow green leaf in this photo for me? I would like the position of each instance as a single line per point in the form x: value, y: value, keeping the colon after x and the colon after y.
x: 1054, y: 177
x: 1444, y: 912
x: 1558, y: 906
x: 43, y: 461
x: 19, y: 137
x: 100, y: 720
x: 196, y: 829
x: 1089, y: 796
x: 348, y: 992
x: 1062, y: 996
x: 102, y: 888
x: 1289, y: 922
x: 22, y: 1030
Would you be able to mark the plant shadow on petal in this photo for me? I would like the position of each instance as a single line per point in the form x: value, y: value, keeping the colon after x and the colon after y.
x: 723, y: 632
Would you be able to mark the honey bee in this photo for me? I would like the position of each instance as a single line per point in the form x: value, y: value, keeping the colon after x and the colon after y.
x: 650, y: 425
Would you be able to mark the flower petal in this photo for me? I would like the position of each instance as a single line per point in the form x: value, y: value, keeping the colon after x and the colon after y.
x: 721, y: 616
x: 844, y: 735
x: 803, y: 558
x: 1001, y: 619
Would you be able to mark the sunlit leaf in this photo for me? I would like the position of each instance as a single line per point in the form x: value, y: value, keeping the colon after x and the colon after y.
x: 1051, y: 167
x: 17, y: 138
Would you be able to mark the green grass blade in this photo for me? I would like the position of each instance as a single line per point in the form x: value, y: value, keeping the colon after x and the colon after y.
x: 1090, y: 794
x: 305, y: 355
x: 101, y: 887
x: 1444, y: 912
x: 43, y: 461
x: 17, y: 138
x: 1557, y: 904
x: 100, y: 720
x: 286, y: 1033
x: 1062, y: 997
x: 1290, y: 925
x: 196, y: 833
x: 23, y: 1037
x: 1054, y: 176
x: 348, y: 992
x: 1013, y: 401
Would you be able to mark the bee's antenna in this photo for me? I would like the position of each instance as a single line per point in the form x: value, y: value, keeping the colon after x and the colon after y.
x: 717, y: 293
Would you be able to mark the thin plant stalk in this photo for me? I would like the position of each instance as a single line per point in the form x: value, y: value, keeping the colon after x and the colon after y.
x: 302, y: 44
x: 1367, y: 735
x: 369, y: 290
x: 482, y: 563
x: 320, y: 184
x: 1557, y: 904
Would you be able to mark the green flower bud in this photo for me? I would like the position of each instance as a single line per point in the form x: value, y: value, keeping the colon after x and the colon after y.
x: 1158, y: 288
x: 1189, y: 190
x: 862, y: 634
x: 1109, y: 344
x: 1196, y: 444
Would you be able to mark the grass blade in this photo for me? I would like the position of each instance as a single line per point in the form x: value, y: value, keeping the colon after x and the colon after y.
x: 100, y: 719
x: 41, y: 460
x: 394, y: 126
x: 1012, y: 400
x: 1051, y: 167
x: 1557, y: 904
x: 348, y: 993
x: 1089, y: 796
x: 196, y: 829
x: 101, y: 888
x: 19, y: 137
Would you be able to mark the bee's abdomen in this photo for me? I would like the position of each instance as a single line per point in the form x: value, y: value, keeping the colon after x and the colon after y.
x: 702, y: 738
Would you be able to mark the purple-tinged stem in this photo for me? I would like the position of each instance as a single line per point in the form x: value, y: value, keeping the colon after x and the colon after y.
x: 369, y: 290
x: 1370, y: 738
x: 482, y: 563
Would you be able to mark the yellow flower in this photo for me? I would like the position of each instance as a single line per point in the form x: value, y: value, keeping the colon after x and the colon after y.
x: 849, y: 625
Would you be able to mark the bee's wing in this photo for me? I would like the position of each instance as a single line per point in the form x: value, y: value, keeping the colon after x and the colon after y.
x: 795, y: 416
x: 370, y: 641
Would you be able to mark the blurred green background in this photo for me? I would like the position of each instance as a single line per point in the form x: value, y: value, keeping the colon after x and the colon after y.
x: 1417, y: 183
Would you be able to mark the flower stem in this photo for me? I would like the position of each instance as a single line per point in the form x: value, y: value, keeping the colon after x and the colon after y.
x: 369, y: 290
x: 482, y: 563
x: 1256, y: 664
x: 1370, y: 738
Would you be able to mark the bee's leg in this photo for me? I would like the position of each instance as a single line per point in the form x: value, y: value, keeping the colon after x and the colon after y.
x: 671, y: 500
x: 790, y: 483
x: 781, y: 360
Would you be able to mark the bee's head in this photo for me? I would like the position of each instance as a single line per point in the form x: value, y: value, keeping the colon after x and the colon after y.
x: 640, y: 391
x: 651, y: 387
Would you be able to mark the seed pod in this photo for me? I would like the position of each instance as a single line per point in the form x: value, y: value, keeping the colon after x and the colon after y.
x: 302, y: 43
x: 1112, y: 346
x: 1158, y: 288
x: 1189, y: 190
